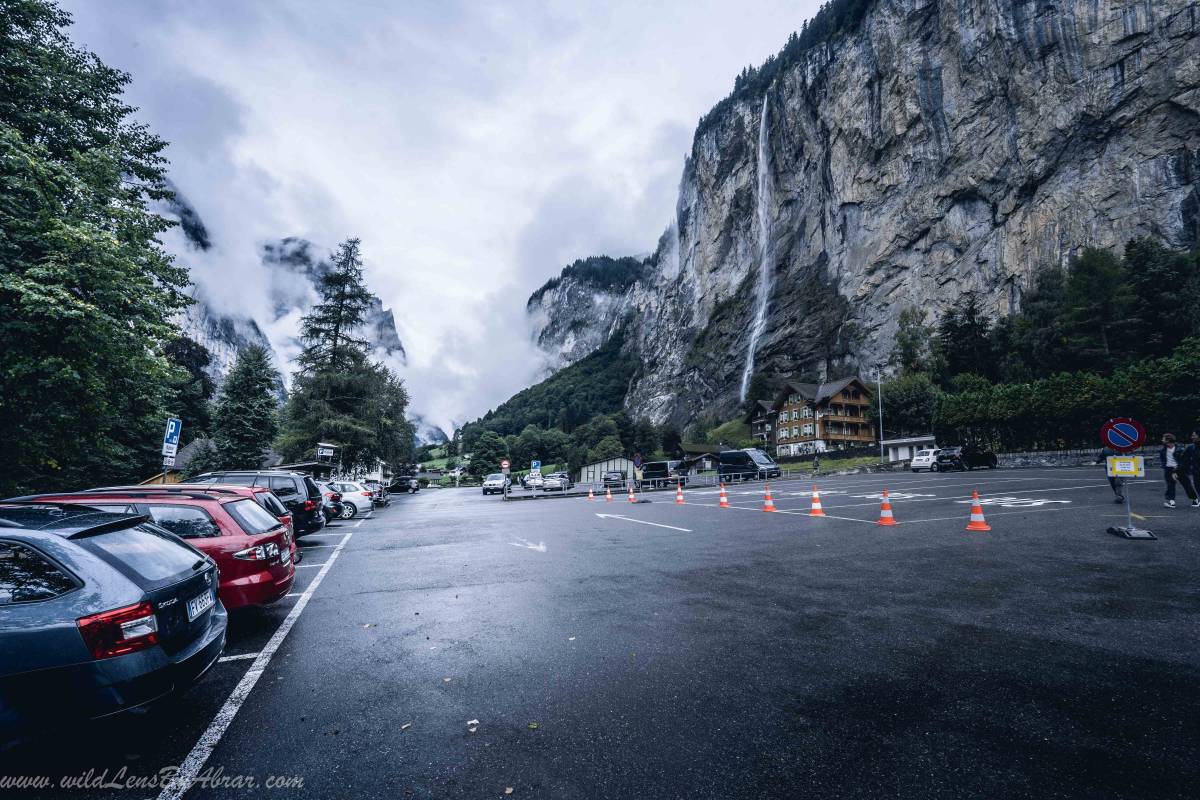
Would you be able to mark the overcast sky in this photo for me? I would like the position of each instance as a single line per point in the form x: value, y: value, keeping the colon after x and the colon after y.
x: 475, y: 147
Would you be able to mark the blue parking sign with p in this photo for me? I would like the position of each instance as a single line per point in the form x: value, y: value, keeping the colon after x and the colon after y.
x: 171, y: 437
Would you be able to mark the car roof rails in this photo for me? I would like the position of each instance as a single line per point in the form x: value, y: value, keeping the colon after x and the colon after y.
x: 170, y: 488
x: 145, y: 494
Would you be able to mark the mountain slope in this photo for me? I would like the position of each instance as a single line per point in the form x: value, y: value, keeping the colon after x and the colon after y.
x: 903, y: 154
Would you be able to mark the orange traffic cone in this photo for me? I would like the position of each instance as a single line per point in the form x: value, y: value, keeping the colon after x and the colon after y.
x: 591, y: 496
x: 977, y: 523
x: 607, y: 495
x: 768, y: 503
x: 679, y: 494
x: 724, y: 498
x: 885, y: 511
x: 632, y: 499
x: 816, y: 504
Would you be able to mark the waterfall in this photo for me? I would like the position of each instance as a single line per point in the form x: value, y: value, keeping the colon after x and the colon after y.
x: 766, y: 267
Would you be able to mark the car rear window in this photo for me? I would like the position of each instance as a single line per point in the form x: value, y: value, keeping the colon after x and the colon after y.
x: 253, y: 518
x: 283, y: 486
x: 186, y: 522
x: 144, y: 551
x: 310, y: 486
x: 271, y: 503
x: 27, y: 576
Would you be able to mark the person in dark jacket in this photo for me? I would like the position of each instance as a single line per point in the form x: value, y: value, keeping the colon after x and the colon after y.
x: 1174, y: 464
x: 1117, y: 484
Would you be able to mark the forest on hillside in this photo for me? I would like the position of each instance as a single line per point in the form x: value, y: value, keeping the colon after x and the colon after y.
x: 1111, y: 335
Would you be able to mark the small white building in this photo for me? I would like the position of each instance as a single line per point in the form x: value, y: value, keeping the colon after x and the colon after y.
x: 594, y: 473
x: 904, y: 449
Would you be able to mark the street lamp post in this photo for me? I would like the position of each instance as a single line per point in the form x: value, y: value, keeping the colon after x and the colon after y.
x: 879, y: 392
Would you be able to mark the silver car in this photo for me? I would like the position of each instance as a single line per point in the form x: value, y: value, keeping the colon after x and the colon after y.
x: 357, y: 499
x: 557, y: 482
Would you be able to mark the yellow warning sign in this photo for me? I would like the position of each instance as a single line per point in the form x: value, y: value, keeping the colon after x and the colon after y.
x: 1126, y: 467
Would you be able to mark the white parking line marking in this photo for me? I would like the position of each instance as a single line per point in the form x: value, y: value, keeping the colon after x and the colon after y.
x: 191, y: 766
x: 316, y: 546
x: 238, y: 657
x: 643, y: 522
x: 782, y: 511
x: 309, y: 566
x: 293, y: 594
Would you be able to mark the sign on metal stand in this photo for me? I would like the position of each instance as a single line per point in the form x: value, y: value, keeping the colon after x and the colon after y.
x: 1125, y: 435
x: 170, y: 447
x: 504, y: 465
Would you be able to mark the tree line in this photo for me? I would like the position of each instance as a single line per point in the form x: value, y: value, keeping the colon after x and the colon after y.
x: 1111, y: 335
x: 92, y: 361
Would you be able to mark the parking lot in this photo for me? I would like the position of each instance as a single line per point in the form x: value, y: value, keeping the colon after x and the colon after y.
x: 457, y: 645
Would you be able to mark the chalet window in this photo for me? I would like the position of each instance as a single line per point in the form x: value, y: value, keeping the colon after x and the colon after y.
x: 807, y: 413
x: 807, y: 429
x: 794, y: 431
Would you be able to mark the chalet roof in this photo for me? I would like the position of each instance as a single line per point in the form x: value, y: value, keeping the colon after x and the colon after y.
x: 760, y: 407
x: 815, y: 392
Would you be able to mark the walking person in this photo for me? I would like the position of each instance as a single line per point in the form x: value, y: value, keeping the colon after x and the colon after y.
x: 816, y: 463
x: 1191, y: 469
x: 1117, y: 484
x: 1171, y: 459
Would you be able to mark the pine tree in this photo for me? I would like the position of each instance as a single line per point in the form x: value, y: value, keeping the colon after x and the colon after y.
x: 339, y: 396
x: 87, y: 294
x: 245, y: 421
x: 328, y: 330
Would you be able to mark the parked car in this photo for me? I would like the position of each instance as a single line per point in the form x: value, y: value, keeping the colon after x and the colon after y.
x: 380, y: 490
x: 614, y: 479
x: 261, y: 495
x: 356, y: 499
x: 101, y: 612
x: 663, y: 473
x: 965, y: 457
x: 496, y: 483
x: 748, y: 464
x: 557, y: 482
x: 295, y: 490
x: 924, y: 459
x: 533, y: 480
x: 252, y: 548
x: 406, y: 483
x: 331, y: 502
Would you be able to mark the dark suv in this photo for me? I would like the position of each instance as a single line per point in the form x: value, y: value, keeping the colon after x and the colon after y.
x: 965, y: 457
x: 745, y: 465
x: 663, y: 473
x: 298, y: 492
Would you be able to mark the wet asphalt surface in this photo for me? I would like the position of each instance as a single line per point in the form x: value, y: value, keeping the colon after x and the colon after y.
x: 731, y: 654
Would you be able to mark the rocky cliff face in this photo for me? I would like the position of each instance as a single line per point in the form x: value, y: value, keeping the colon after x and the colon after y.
x: 939, y: 147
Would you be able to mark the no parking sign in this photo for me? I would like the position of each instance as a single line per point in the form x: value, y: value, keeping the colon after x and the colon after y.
x: 1123, y: 434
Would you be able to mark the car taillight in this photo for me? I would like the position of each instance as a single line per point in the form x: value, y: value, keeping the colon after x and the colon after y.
x: 120, y: 631
x: 366, y: 494
x: 262, y: 552
x: 309, y: 505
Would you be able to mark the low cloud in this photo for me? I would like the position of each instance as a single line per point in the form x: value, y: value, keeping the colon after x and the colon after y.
x: 475, y: 148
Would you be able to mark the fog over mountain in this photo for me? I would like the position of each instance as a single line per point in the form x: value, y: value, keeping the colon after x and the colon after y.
x: 474, y: 148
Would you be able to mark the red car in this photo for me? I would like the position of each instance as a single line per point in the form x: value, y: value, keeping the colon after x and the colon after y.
x: 254, y: 550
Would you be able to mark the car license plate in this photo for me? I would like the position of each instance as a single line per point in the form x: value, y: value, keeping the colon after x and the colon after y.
x: 286, y: 556
x: 200, y: 603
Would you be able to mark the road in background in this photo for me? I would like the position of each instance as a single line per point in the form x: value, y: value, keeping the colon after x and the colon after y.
x: 462, y: 645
